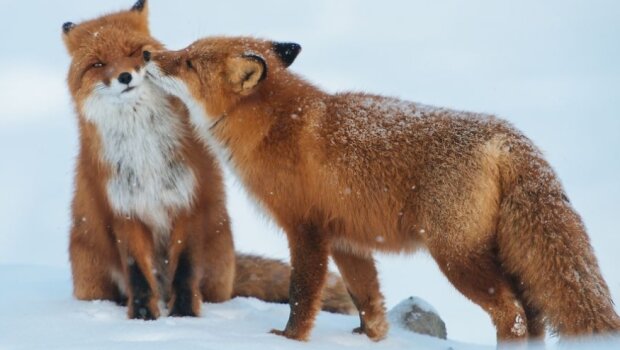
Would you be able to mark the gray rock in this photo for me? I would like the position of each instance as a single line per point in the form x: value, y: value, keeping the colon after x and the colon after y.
x: 418, y: 316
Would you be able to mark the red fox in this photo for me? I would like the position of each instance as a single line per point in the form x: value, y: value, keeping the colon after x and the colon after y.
x: 149, y: 210
x: 352, y: 173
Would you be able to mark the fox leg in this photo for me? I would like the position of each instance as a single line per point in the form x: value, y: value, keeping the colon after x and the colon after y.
x: 218, y: 258
x: 535, y: 322
x: 93, y: 258
x: 135, y: 243
x: 202, y: 260
x: 536, y: 326
x: 185, y: 298
x: 360, y: 277
x: 309, y: 259
x: 185, y: 266
x: 478, y: 276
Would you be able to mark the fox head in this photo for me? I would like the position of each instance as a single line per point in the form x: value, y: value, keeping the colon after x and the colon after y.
x: 216, y: 73
x: 106, y: 54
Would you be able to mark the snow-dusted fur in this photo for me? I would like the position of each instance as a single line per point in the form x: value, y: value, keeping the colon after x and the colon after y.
x: 350, y: 173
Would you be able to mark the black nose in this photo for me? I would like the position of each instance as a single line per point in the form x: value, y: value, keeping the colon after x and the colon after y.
x: 124, y: 78
x: 146, y: 55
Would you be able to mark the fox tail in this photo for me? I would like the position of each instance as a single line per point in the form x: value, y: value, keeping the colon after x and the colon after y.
x: 269, y: 279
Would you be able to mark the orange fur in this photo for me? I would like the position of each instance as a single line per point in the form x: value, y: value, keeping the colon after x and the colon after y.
x: 349, y: 174
x: 127, y: 254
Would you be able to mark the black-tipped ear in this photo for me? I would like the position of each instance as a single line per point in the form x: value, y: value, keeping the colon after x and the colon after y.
x: 139, y: 6
x: 259, y: 59
x: 67, y: 27
x: 287, y: 52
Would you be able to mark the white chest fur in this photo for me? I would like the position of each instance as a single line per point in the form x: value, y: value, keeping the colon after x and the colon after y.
x: 141, y: 140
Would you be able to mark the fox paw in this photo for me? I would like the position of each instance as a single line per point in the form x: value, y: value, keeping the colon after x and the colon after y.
x: 288, y: 335
x: 176, y: 312
x: 183, y: 306
x: 376, y: 330
x: 142, y: 311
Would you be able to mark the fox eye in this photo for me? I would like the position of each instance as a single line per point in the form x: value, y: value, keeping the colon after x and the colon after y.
x: 135, y: 52
x: 189, y: 64
x: 97, y: 65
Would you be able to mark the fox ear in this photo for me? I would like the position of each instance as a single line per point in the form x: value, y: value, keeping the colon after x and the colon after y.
x: 69, y: 40
x: 246, y: 72
x: 139, y: 6
x: 287, y: 52
x: 67, y: 27
x: 140, y: 9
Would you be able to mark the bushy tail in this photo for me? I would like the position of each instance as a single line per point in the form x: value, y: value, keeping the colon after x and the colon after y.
x: 269, y: 279
x: 543, y: 243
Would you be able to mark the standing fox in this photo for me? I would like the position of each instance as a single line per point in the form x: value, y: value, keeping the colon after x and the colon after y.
x: 347, y: 174
x: 149, y: 211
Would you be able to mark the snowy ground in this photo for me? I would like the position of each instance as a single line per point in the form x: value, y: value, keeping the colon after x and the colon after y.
x: 38, y: 313
x: 549, y: 67
x: 51, y: 319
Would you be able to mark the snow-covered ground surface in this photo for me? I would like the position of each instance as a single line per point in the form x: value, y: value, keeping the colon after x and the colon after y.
x: 39, y: 313
x: 550, y: 67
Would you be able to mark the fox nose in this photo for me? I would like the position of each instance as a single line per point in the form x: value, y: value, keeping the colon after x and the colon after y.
x: 124, y: 78
x: 147, y: 56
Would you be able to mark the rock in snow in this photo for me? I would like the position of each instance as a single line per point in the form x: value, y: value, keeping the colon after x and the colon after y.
x: 418, y: 316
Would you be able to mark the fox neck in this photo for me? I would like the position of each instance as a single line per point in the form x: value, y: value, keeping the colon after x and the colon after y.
x: 271, y: 118
x: 141, y: 145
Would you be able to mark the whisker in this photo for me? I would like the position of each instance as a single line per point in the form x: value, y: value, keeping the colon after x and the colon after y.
x: 217, y: 122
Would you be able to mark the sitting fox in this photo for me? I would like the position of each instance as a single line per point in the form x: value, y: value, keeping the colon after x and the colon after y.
x: 149, y: 209
x: 348, y: 174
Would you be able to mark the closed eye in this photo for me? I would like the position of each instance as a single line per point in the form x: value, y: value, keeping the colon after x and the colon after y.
x: 93, y: 66
x: 135, y: 52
